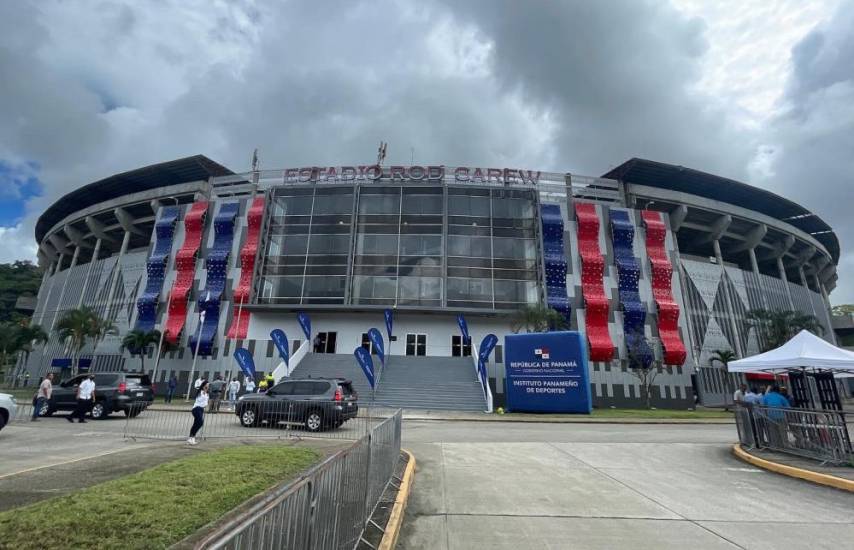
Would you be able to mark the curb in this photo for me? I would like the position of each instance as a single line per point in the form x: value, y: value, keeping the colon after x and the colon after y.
x: 580, y: 420
x: 791, y: 471
x: 395, y: 520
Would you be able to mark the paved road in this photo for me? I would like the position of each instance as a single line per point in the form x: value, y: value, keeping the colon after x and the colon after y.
x: 518, y: 486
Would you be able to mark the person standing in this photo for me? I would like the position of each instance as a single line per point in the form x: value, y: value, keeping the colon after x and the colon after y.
x: 199, y: 411
x: 738, y: 396
x: 85, y: 398
x: 318, y: 343
x: 753, y: 397
x: 170, y: 388
x: 42, y: 395
x: 250, y: 384
x: 216, y: 389
x: 233, y: 390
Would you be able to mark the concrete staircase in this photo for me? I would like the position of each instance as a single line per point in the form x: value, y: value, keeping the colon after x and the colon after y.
x: 437, y: 383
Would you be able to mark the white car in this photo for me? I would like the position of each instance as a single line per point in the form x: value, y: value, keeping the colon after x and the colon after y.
x: 8, y: 409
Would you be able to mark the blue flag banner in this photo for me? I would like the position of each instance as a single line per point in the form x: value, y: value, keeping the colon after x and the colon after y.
x: 486, y: 346
x: 377, y: 341
x: 364, y: 360
x: 547, y: 372
x: 464, y: 328
x: 389, y: 321
x: 305, y: 323
x: 246, y: 362
x: 281, y: 342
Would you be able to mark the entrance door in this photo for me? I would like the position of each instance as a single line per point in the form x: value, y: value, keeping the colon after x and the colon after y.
x: 459, y: 348
x: 416, y: 344
x: 327, y: 342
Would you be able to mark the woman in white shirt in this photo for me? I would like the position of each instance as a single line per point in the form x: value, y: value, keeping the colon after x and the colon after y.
x: 199, y: 411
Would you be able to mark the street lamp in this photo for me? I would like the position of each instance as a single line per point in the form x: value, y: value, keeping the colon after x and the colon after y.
x: 196, y: 352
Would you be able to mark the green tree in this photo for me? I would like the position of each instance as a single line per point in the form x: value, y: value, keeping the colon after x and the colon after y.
x: 16, y: 279
x: 138, y: 342
x: 843, y: 309
x: 538, y: 318
x: 724, y: 356
x: 775, y: 328
x: 77, y: 327
x: 641, y: 364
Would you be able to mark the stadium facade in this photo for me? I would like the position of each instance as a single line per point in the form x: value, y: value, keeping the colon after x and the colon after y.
x: 650, y: 260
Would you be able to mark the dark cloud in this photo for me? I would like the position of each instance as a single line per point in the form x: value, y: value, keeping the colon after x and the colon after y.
x: 578, y: 86
x: 813, y: 139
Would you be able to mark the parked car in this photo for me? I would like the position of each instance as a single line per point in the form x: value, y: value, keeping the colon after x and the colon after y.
x: 317, y: 403
x: 114, y: 391
x: 8, y: 409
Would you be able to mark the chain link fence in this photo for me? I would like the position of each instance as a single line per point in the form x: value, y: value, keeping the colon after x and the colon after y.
x: 328, y: 508
x: 820, y: 435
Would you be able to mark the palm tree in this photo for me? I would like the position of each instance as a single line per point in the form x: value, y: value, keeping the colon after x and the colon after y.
x: 539, y: 318
x: 30, y: 336
x: 723, y: 356
x: 775, y: 328
x: 77, y: 326
x: 137, y: 342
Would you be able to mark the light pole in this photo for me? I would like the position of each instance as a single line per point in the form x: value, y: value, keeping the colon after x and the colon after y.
x: 196, y: 352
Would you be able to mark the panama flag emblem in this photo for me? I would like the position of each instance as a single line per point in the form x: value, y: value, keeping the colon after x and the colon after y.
x: 542, y: 353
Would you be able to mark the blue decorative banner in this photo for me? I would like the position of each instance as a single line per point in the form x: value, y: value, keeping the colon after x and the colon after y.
x: 305, y: 323
x: 281, y: 342
x: 464, y: 328
x: 364, y: 360
x: 486, y: 347
x: 389, y: 321
x: 546, y: 372
x: 377, y: 342
x: 554, y: 258
x: 246, y: 362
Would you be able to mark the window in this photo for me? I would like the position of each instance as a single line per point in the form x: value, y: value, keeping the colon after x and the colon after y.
x: 462, y: 205
x: 422, y: 204
x: 524, y: 249
x: 458, y: 348
x: 367, y: 344
x: 285, y: 388
x: 367, y: 289
x: 416, y: 344
x: 475, y: 247
x: 325, y: 342
x: 516, y: 291
x: 325, y: 287
x: 329, y: 244
x: 478, y: 290
x: 379, y: 204
x: 377, y: 244
x: 414, y: 290
x: 303, y: 388
x: 333, y: 204
x: 421, y: 245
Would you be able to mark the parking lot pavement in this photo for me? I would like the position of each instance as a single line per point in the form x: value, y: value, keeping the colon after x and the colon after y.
x: 607, y: 486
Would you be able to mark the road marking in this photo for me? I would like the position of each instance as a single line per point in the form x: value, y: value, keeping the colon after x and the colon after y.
x: 63, y: 463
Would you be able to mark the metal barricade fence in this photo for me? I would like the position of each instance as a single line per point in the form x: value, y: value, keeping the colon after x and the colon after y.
x: 328, y: 508
x: 816, y: 434
x: 272, y: 418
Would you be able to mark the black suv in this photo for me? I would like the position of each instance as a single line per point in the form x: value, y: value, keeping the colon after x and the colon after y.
x: 317, y: 403
x: 114, y: 391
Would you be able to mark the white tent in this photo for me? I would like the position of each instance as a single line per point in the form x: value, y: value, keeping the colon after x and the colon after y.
x: 804, y: 350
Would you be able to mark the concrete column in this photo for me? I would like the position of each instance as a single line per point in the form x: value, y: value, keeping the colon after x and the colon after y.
x: 64, y: 286
x: 114, y: 279
x: 806, y: 286
x: 754, y: 266
x: 56, y: 265
x: 92, y: 263
x: 826, y: 302
x: 782, y: 271
x: 728, y: 300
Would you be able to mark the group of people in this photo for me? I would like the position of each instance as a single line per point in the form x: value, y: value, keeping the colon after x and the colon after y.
x: 773, y: 396
x: 85, y: 398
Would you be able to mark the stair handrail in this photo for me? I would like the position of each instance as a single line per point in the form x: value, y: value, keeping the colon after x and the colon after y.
x: 484, y: 385
x: 283, y: 370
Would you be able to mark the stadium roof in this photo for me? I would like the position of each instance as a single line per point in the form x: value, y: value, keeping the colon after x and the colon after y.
x: 173, y: 172
x: 687, y: 180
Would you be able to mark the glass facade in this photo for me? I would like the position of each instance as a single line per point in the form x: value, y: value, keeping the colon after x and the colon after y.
x: 403, y: 245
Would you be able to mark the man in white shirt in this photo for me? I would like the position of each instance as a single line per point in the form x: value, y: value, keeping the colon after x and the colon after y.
x: 85, y: 398
x: 753, y: 397
x: 250, y: 384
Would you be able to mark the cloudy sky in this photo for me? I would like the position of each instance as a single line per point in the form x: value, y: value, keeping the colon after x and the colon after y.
x: 758, y: 91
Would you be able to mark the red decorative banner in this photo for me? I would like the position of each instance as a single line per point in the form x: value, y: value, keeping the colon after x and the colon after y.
x: 662, y: 275
x: 592, y: 287
x: 240, y: 320
x: 185, y: 265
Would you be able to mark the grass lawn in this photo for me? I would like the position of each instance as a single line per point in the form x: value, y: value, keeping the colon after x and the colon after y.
x: 157, y: 507
x: 661, y: 413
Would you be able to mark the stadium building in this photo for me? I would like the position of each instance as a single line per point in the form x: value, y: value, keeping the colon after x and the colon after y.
x: 651, y: 260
